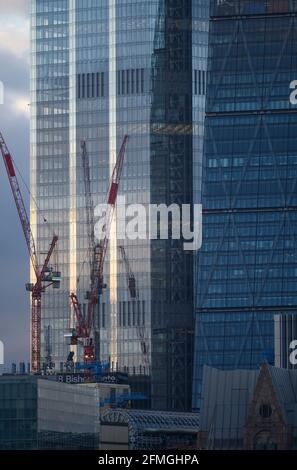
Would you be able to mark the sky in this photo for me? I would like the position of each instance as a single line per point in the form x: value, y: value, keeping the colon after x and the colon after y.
x: 14, y: 125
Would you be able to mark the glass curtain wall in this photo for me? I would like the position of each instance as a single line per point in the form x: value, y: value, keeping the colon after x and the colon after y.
x: 100, y: 70
x: 247, y: 263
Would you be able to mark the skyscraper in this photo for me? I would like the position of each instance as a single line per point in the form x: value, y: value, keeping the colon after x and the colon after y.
x: 102, y: 69
x: 247, y: 265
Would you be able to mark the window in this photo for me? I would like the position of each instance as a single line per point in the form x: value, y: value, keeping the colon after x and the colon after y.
x: 130, y: 82
x: 90, y: 85
x: 200, y: 82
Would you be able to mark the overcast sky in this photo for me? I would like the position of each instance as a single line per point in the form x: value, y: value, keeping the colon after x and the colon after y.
x: 14, y: 124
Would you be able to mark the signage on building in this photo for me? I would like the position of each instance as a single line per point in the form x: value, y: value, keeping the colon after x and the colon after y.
x: 72, y: 378
x: 81, y: 377
x: 114, y: 377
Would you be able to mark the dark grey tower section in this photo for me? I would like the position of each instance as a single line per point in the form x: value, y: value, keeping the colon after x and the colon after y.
x: 171, y: 182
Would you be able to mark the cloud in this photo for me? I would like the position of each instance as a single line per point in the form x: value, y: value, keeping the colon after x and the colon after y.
x: 14, y: 124
x: 15, y: 38
x: 14, y: 73
x: 22, y: 105
x: 15, y: 78
x: 14, y: 305
x: 14, y: 27
x: 16, y: 104
x: 14, y: 6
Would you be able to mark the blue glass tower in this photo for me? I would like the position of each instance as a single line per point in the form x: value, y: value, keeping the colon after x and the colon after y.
x: 248, y: 262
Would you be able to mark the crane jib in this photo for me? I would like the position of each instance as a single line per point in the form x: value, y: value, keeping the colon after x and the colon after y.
x: 113, y: 193
x: 9, y: 165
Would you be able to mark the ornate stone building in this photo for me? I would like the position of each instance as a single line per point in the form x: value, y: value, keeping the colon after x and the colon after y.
x: 248, y: 409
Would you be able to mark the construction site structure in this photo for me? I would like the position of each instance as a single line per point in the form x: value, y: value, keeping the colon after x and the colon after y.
x: 89, y: 203
x: 133, y: 291
x: 150, y: 429
x: 123, y: 400
x: 130, y: 277
x: 44, y: 273
x: 48, y: 365
x: 84, y: 322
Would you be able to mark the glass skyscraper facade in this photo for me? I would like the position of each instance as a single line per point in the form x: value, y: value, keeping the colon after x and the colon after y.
x: 102, y: 69
x: 247, y: 265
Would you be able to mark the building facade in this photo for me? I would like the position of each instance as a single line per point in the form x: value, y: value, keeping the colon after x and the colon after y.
x: 42, y: 414
x: 285, y: 341
x: 100, y: 70
x: 247, y: 264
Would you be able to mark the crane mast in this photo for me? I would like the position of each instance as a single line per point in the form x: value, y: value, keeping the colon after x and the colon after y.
x: 84, y: 324
x: 130, y: 277
x: 45, y: 276
x: 48, y: 347
x: 131, y: 285
x: 88, y: 200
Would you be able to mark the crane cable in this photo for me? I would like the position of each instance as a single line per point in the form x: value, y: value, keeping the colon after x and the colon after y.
x: 45, y: 219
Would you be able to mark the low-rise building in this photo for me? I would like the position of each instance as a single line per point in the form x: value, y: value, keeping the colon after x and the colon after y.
x: 36, y: 413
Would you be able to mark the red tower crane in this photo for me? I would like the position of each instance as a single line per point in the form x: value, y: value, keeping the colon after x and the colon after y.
x: 84, y: 323
x: 45, y: 276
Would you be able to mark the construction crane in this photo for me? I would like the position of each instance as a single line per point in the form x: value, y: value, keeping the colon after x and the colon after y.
x: 45, y: 276
x: 89, y: 204
x: 84, y: 323
x: 48, y: 347
x: 131, y: 285
x: 131, y: 282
